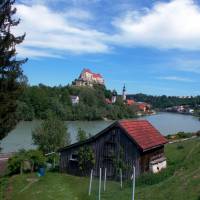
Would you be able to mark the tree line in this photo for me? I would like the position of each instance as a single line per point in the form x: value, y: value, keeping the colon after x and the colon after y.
x: 37, y: 101
x: 161, y: 102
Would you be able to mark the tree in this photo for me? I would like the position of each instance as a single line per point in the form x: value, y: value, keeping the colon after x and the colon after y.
x: 51, y: 135
x: 81, y: 135
x: 11, y: 75
x: 86, y: 159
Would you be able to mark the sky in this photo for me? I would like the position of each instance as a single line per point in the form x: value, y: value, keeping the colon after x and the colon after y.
x: 151, y: 46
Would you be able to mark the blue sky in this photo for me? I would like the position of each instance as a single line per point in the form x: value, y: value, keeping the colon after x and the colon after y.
x: 151, y: 46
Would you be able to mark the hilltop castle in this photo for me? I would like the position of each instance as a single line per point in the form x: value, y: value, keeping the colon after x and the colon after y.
x: 88, y: 78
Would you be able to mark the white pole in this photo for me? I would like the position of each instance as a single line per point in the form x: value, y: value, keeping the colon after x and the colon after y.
x: 90, y: 186
x: 133, y: 192
x: 104, y: 185
x: 121, y: 178
x: 100, y: 184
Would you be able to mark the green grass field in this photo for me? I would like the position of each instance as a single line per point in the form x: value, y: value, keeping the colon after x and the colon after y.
x: 182, y: 184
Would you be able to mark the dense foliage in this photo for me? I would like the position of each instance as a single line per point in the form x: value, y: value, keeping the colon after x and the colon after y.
x: 81, y: 135
x: 51, y: 135
x: 86, y: 159
x: 182, y: 135
x: 22, y: 159
x: 166, y: 101
x: 11, y: 76
x: 37, y: 101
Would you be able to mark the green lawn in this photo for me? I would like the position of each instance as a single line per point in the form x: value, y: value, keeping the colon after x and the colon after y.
x: 183, y: 184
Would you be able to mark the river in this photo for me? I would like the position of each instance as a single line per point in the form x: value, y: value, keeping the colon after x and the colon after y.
x: 166, y: 123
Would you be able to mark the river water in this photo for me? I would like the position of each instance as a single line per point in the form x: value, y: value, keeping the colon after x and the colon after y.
x: 166, y: 123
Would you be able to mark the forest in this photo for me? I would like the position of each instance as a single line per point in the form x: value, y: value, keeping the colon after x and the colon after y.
x: 161, y: 102
x: 37, y: 101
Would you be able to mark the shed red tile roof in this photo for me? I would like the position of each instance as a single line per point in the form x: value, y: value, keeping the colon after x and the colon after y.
x: 143, y: 133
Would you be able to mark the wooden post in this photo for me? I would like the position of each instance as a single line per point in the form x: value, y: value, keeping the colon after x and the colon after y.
x: 54, y: 162
x: 21, y: 168
x: 121, y: 178
x: 100, y: 184
x: 133, y: 191
x: 104, y: 185
x: 90, y: 186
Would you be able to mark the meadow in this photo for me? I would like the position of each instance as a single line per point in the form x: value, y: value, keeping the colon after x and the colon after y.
x: 181, y: 181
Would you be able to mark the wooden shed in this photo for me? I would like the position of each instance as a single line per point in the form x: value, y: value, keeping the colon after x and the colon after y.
x: 120, y: 146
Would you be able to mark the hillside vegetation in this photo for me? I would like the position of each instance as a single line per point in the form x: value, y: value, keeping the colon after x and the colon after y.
x: 166, y: 101
x: 37, y: 101
x: 181, y: 181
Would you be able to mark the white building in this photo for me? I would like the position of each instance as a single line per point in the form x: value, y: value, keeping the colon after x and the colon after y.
x: 74, y: 100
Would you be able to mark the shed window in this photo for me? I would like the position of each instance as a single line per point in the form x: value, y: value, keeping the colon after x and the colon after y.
x: 74, y: 157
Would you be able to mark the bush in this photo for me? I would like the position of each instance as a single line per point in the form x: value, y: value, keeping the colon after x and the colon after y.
x: 151, y: 179
x: 180, y: 146
x: 182, y: 135
x: 34, y: 157
x: 4, y: 182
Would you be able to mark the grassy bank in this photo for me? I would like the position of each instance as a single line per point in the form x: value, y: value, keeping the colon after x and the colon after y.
x: 181, y: 181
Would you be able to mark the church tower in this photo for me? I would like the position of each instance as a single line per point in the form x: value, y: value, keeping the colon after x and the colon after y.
x: 124, y: 93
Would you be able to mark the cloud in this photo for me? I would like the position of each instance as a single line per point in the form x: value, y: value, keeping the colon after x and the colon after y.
x: 167, y: 25
x: 176, y: 78
x: 58, y: 33
x: 35, y: 53
x: 187, y: 65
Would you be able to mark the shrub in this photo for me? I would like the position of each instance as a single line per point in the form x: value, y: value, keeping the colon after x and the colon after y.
x: 181, y: 135
x: 34, y: 157
x: 86, y: 159
x: 151, y: 179
x: 198, y: 133
x: 180, y: 146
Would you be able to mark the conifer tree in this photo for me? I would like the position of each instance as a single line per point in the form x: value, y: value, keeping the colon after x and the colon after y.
x: 11, y: 75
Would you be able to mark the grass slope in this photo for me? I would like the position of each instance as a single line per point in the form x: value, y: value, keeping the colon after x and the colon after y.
x: 182, y: 184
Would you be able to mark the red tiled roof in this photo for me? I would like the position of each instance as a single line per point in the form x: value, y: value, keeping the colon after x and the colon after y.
x: 93, y: 74
x: 130, y: 102
x: 143, y: 133
x: 97, y: 75
x: 87, y: 70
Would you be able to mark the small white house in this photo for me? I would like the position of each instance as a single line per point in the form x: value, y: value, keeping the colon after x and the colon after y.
x: 74, y: 100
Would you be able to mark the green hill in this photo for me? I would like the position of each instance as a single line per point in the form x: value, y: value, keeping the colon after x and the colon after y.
x: 181, y: 181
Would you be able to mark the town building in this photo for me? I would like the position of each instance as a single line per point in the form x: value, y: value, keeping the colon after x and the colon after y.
x: 108, y: 101
x: 142, y: 106
x: 123, y: 144
x: 88, y: 78
x: 130, y: 102
x: 74, y: 100
x: 114, y: 99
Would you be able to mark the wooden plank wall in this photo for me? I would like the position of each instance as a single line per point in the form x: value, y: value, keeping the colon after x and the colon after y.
x: 106, y: 147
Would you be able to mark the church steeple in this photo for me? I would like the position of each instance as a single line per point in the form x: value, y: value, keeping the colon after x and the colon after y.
x: 124, y: 93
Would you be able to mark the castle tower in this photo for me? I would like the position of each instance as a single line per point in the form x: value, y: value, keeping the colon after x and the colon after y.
x: 124, y: 93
